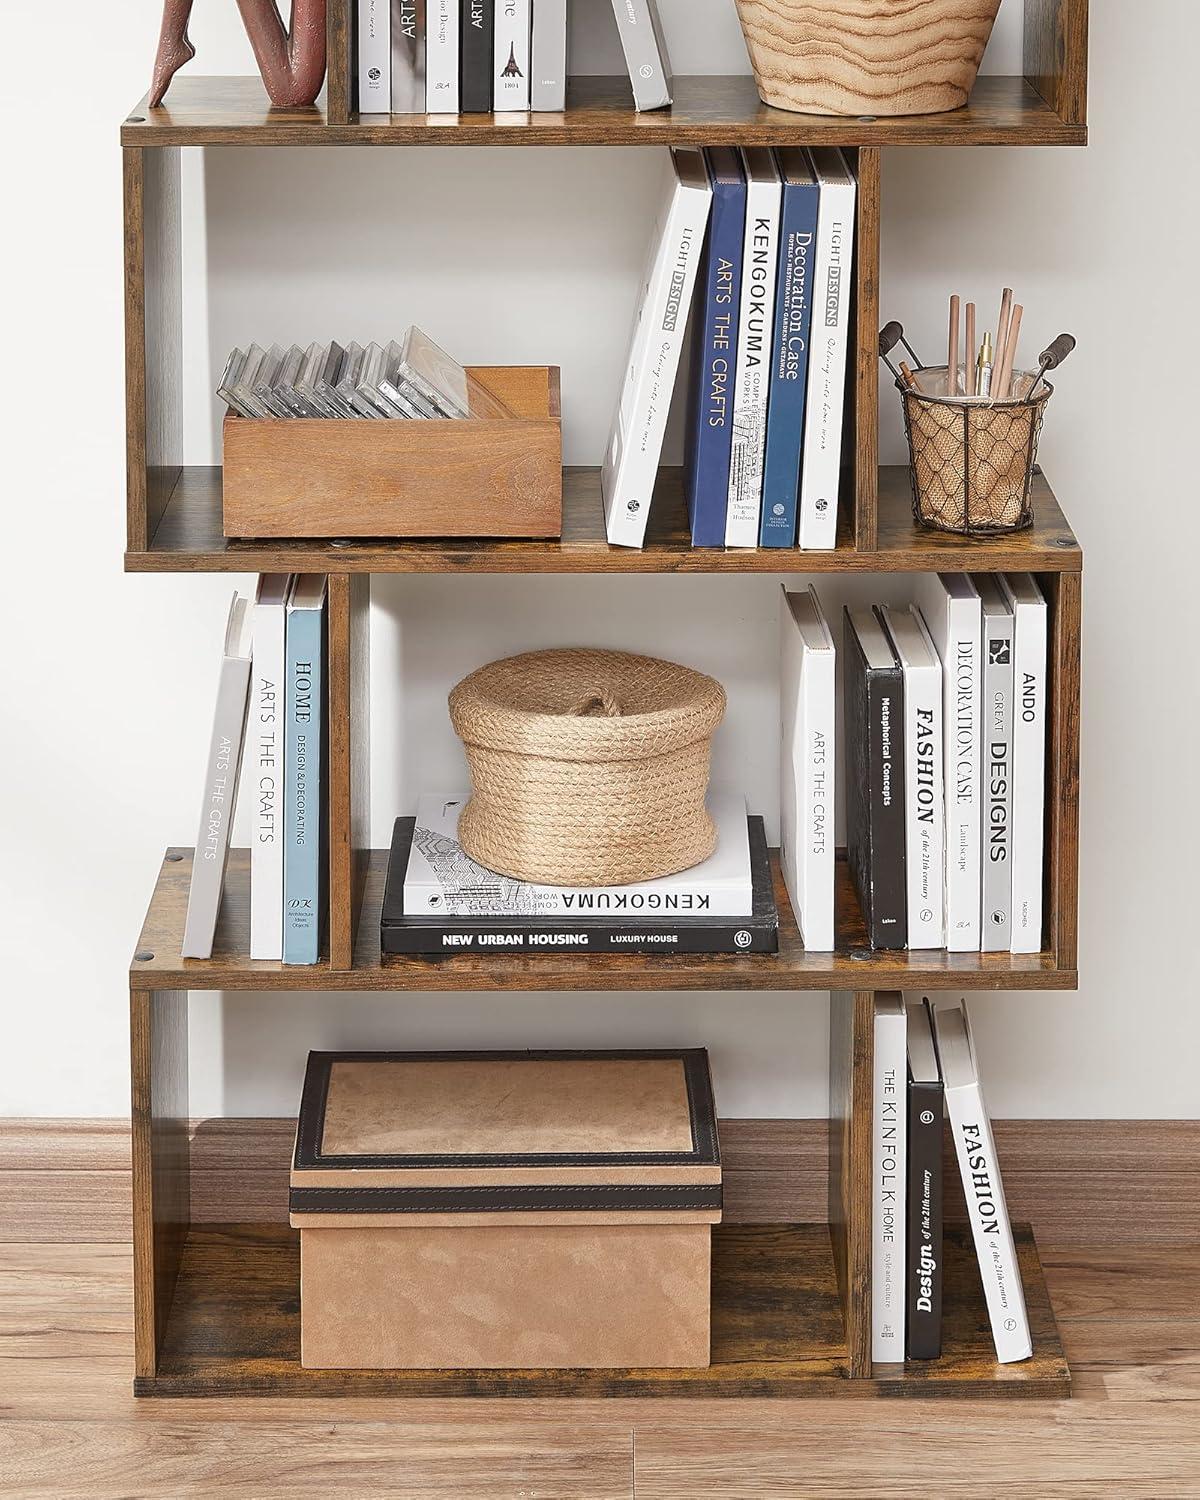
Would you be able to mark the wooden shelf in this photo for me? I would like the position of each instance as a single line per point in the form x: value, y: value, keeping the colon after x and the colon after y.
x: 726, y: 110
x: 188, y: 540
x: 853, y: 967
x: 234, y: 1330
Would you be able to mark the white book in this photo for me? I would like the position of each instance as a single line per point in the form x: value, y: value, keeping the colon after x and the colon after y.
x: 1030, y: 646
x: 997, y: 785
x: 262, y: 767
x: 924, y: 803
x: 664, y: 298
x: 975, y: 1147
x: 949, y: 604
x: 808, y: 749
x: 442, y: 57
x: 756, y: 325
x: 219, y: 801
x: 442, y: 878
x: 374, y: 57
x: 833, y: 286
x: 889, y: 1175
x: 510, y: 74
x: 645, y: 49
x: 548, y: 67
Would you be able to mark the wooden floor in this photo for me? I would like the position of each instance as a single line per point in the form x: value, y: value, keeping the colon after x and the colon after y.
x: 70, y: 1426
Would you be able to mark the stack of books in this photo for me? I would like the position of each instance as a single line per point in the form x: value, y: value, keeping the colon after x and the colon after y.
x: 768, y: 237
x: 439, y: 901
x: 269, y: 737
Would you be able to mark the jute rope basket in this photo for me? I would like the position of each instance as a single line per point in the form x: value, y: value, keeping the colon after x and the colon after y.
x: 587, y: 767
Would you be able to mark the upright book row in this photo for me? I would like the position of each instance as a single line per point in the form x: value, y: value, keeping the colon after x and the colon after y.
x: 763, y: 240
x: 268, y: 744
x: 944, y: 719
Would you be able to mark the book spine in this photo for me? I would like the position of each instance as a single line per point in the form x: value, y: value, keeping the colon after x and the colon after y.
x: 789, y: 366
x: 510, y: 59
x: 962, y: 701
x: 888, y: 1190
x: 924, y: 810
x: 996, y: 934
x: 374, y: 57
x: 832, y: 287
x: 442, y: 58
x: 757, y: 321
x: 713, y: 369
x: 885, y: 705
x: 264, y: 777
x: 435, y: 938
x: 924, y: 1213
x: 302, y: 788
x: 408, y: 57
x: 217, y: 808
x: 1029, y: 776
x: 548, y: 72
x: 975, y: 1149
x: 818, y: 853
x: 478, y: 27
x: 425, y: 894
x: 644, y: 58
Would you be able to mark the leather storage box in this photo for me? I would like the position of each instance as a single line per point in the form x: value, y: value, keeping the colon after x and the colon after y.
x: 505, y: 1210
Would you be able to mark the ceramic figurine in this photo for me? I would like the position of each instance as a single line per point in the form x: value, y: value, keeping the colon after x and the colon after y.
x: 291, y: 60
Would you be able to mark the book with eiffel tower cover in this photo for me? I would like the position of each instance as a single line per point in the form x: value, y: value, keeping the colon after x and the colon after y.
x: 510, y: 79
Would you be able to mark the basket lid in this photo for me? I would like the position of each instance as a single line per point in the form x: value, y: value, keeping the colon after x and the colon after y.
x: 578, y: 704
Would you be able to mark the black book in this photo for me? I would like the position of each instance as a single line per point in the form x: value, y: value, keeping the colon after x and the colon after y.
x: 442, y: 936
x: 874, y: 730
x: 478, y: 41
x: 923, y: 1299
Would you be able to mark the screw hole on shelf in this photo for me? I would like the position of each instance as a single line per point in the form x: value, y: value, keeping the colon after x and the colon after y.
x: 136, y: 120
x: 174, y: 859
x: 143, y: 955
x: 867, y: 119
x: 1064, y: 541
x: 858, y: 956
x: 341, y: 541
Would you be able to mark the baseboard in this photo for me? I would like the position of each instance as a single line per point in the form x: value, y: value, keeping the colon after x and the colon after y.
x: 1076, y: 1181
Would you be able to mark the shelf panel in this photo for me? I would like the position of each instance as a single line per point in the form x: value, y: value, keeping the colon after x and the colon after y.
x: 189, y: 540
x: 234, y: 1330
x: 713, y: 110
x: 853, y: 967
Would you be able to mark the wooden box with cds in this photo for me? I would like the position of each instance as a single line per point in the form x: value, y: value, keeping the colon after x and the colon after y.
x: 497, y: 473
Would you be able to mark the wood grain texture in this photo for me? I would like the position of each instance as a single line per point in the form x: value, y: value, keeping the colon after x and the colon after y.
x: 1056, y: 55
x: 706, y: 111
x: 865, y: 365
x: 1065, y: 594
x: 158, y: 1027
x: 190, y: 540
x: 851, y: 1059
x: 792, y: 968
x: 349, y: 758
x: 340, y: 89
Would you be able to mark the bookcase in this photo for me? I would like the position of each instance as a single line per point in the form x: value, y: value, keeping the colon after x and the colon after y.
x: 216, y: 1308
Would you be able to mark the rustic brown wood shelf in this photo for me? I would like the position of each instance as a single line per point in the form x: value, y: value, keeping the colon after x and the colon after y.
x: 1002, y: 111
x: 188, y: 540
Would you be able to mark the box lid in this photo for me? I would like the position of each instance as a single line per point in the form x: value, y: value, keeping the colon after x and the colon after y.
x: 545, y: 1134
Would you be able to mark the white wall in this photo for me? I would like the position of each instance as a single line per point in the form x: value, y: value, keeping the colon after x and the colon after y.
x: 531, y: 256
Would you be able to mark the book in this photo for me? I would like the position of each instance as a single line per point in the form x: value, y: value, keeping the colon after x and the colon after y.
x: 873, y: 709
x: 442, y: 57
x: 408, y: 57
x: 262, y: 771
x: 548, y: 54
x: 664, y: 298
x: 442, y: 934
x: 997, y: 733
x: 374, y: 57
x: 808, y: 750
x: 510, y: 55
x: 975, y: 1150
x: 833, y: 285
x: 714, y: 355
x: 756, y: 325
x: 645, y: 49
x: 442, y: 879
x: 924, y: 804
x: 478, y: 29
x: 949, y: 605
x: 790, y: 348
x: 218, y: 802
x: 1030, y: 644
x: 889, y: 1120
x: 304, y: 813
x: 923, y: 1261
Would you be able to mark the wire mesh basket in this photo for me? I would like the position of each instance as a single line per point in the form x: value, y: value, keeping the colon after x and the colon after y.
x: 972, y: 459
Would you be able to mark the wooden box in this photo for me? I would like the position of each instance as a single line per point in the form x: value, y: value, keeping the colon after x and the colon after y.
x: 505, y: 1210
x: 472, y: 478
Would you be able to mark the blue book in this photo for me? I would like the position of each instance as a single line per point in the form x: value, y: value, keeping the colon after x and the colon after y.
x: 303, y: 772
x: 714, y: 359
x: 789, y: 364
